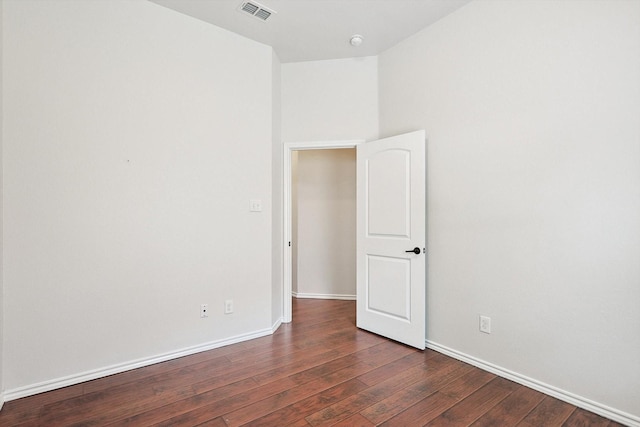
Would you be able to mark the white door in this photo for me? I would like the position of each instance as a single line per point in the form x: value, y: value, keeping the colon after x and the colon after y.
x: 391, y: 263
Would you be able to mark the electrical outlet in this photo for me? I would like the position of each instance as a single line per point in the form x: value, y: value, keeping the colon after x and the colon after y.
x: 228, y: 306
x: 204, y: 310
x: 485, y: 324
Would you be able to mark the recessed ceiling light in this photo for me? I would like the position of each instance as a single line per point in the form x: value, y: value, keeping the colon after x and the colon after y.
x: 356, y: 40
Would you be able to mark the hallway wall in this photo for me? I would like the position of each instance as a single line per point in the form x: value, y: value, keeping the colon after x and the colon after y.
x: 325, y: 224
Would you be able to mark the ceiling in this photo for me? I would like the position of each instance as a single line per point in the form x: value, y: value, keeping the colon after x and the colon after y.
x: 309, y: 30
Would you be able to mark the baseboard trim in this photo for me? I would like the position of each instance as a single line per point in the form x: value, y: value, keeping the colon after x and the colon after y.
x: 44, y: 386
x: 589, y: 405
x: 276, y: 325
x: 324, y: 296
x: 1, y: 401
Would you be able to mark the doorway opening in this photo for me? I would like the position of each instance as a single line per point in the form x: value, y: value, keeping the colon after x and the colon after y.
x: 323, y: 224
x: 313, y: 288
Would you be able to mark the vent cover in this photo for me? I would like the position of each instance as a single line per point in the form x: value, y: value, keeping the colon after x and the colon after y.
x: 256, y: 10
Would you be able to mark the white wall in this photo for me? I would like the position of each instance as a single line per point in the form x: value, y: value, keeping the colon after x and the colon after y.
x: 330, y: 100
x: 1, y: 218
x: 327, y: 100
x: 276, y: 199
x: 294, y: 222
x: 531, y: 110
x: 129, y: 167
x: 325, y: 198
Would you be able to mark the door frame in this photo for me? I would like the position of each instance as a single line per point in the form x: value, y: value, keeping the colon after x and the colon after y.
x: 289, y: 148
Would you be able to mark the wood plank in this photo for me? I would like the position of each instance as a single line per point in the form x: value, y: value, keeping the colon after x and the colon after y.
x: 153, y: 390
x: 350, y: 406
x: 308, y: 369
x: 296, y: 360
x: 417, y: 358
x: 218, y: 422
x: 28, y: 408
x: 467, y: 384
x: 292, y: 343
x: 432, y: 406
x: 411, y: 359
x: 512, y: 409
x: 161, y: 408
x: 550, y: 412
x: 203, y: 407
x: 582, y: 418
x: 355, y: 420
x: 433, y: 379
x: 295, y: 413
x: 475, y: 405
x: 422, y: 412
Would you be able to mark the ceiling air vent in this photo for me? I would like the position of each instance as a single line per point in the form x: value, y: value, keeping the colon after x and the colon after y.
x: 256, y: 10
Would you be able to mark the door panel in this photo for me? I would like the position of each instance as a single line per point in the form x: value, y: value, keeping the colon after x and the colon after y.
x: 391, y: 222
x: 387, y: 300
x: 387, y: 173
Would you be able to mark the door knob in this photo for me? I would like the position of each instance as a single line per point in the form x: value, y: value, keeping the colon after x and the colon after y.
x: 415, y: 251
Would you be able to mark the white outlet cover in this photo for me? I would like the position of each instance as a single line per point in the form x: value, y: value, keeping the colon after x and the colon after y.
x: 485, y: 324
x: 228, y: 306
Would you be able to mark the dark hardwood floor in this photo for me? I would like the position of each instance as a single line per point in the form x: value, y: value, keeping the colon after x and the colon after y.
x: 319, y: 370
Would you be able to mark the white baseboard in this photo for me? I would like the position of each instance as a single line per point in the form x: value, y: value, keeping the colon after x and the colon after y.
x: 127, y: 366
x: 1, y: 401
x: 324, y: 296
x: 589, y: 405
x: 276, y: 325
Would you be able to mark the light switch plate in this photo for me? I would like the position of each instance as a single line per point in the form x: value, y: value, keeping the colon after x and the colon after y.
x: 255, y: 205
